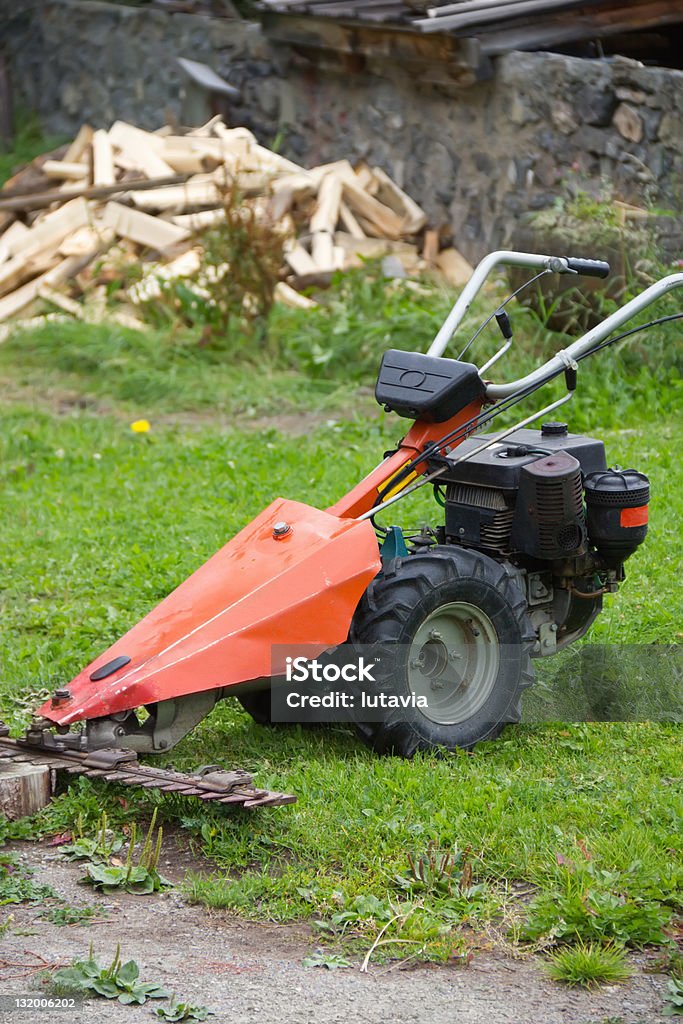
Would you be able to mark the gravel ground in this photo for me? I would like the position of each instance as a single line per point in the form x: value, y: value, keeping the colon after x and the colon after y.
x: 246, y: 971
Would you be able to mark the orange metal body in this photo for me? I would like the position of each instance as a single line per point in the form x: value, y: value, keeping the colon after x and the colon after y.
x: 219, y: 627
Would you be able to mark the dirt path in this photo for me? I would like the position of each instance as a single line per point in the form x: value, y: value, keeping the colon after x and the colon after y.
x: 253, y: 972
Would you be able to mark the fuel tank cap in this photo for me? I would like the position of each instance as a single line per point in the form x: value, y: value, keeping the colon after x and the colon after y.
x: 554, y: 430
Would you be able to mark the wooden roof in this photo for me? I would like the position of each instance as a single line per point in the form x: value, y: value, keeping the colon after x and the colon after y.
x: 498, y: 25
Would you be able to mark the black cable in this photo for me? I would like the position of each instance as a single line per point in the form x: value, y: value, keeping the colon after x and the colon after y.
x: 502, y: 306
x: 627, y: 334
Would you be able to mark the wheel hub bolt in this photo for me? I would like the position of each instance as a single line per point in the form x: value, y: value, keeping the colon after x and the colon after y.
x: 435, y: 635
x: 472, y: 628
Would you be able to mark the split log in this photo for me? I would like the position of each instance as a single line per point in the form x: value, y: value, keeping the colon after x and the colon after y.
x: 299, y: 260
x: 102, y: 159
x: 179, y: 198
x: 384, y: 219
x: 430, y: 246
x: 324, y: 221
x: 143, y: 229
x: 80, y: 145
x: 288, y: 296
x: 60, y: 169
x: 139, y: 150
x: 454, y: 267
x: 413, y: 217
x: 51, y: 231
x: 350, y: 222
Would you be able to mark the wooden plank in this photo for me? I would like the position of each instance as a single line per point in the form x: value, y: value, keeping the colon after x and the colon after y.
x: 102, y: 159
x: 143, y: 229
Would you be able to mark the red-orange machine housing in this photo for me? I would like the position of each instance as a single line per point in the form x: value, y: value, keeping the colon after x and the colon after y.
x: 294, y: 575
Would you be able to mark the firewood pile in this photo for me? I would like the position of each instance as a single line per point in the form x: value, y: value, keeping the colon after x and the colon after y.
x: 71, y: 220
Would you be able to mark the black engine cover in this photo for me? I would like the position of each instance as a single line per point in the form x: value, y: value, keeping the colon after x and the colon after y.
x: 498, y: 502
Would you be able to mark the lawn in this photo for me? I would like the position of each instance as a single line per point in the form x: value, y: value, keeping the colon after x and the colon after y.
x: 554, y: 833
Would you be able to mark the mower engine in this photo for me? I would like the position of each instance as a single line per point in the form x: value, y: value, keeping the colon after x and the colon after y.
x: 546, y: 504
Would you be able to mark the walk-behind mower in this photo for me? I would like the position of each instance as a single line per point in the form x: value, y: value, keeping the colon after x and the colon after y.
x: 535, y: 530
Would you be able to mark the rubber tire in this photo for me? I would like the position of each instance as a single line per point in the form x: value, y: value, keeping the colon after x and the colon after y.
x: 257, y: 704
x: 404, y: 593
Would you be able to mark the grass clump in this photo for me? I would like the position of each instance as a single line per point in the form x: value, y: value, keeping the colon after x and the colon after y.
x: 589, y: 965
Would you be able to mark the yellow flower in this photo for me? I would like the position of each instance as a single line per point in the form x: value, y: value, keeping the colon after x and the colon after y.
x: 140, y: 426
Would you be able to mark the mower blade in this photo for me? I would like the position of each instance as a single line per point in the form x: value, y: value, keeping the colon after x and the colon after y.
x: 123, y: 767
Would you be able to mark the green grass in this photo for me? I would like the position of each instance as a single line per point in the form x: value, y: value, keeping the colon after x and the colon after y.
x: 561, y: 833
x: 589, y: 965
x: 28, y: 143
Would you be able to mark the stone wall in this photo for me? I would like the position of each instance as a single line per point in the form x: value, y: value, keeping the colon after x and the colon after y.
x: 476, y: 158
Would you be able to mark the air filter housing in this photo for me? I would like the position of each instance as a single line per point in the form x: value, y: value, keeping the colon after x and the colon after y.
x: 617, y: 512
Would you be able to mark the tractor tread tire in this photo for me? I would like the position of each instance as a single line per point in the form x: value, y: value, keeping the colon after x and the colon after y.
x: 387, y: 613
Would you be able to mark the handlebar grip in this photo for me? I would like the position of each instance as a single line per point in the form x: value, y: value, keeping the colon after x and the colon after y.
x: 589, y: 268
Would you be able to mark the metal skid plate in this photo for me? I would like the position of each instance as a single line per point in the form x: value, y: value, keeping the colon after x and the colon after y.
x: 122, y: 766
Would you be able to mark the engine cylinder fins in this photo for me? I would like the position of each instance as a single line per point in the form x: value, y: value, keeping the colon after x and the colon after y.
x: 549, y: 521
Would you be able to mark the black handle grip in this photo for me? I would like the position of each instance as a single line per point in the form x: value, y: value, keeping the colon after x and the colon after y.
x: 589, y: 268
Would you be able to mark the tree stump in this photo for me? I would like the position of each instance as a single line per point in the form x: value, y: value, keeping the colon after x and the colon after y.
x: 24, y: 789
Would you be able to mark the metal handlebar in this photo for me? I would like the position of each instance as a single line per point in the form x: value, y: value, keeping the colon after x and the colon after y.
x: 560, y: 265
